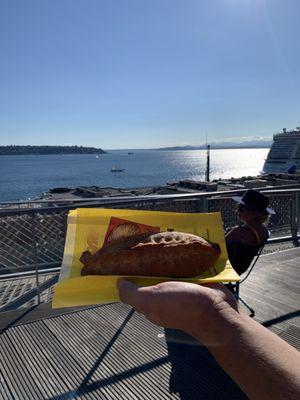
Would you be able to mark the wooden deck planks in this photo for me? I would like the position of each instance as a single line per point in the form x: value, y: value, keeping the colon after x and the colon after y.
x: 106, y: 352
x: 272, y: 289
x: 110, y: 352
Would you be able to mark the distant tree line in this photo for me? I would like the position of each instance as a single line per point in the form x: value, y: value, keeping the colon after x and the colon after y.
x: 19, y: 150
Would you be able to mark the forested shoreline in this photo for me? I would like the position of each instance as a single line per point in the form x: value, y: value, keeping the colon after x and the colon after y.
x: 23, y: 150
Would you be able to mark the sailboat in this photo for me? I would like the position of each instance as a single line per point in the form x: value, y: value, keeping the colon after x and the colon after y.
x: 117, y: 168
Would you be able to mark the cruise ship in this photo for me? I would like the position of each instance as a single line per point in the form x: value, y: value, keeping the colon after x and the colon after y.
x: 284, y: 154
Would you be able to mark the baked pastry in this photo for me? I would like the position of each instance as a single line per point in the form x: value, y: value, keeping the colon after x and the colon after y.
x: 172, y: 254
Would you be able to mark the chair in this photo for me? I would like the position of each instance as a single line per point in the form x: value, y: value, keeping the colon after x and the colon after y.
x: 243, y: 257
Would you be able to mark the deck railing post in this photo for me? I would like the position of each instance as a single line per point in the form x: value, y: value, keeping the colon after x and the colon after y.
x: 199, y: 205
x: 205, y: 204
x: 34, y: 237
x: 295, y: 217
x: 297, y: 212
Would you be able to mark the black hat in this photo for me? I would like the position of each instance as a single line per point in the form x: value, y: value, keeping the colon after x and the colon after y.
x: 255, y: 200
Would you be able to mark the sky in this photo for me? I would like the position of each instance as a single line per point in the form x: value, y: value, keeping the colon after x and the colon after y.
x: 141, y: 74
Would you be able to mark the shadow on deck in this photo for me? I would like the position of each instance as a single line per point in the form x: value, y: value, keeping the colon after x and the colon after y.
x: 111, y: 352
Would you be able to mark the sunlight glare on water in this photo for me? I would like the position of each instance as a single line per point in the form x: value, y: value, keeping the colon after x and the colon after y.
x: 29, y: 176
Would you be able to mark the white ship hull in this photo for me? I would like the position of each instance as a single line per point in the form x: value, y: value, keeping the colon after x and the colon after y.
x: 284, y: 154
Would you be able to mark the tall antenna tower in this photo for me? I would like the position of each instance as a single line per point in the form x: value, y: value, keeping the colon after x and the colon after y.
x: 207, y: 158
x: 207, y: 163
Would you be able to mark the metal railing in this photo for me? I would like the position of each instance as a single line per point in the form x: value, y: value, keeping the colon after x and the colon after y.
x: 32, y: 239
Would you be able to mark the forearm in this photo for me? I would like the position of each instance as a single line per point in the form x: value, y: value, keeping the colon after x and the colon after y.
x: 263, y: 365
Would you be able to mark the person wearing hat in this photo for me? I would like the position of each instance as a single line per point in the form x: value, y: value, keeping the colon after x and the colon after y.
x: 244, y: 241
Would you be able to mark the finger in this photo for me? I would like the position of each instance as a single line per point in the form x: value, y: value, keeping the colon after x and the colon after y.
x: 220, y: 287
x: 85, y: 257
x: 127, y: 290
x: 129, y: 294
x: 226, y: 294
x: 213, y: 285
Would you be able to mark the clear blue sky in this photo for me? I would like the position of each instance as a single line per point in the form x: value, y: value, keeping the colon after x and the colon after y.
x: 147, y: 73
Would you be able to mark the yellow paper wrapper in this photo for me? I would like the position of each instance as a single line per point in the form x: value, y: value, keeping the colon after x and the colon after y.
x: 89, y: 229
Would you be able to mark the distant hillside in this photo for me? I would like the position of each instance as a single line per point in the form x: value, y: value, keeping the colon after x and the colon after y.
x: 22, y: 150
x: 225, y: 145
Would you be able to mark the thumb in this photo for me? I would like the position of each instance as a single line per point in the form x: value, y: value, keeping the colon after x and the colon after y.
x: 127, y: 291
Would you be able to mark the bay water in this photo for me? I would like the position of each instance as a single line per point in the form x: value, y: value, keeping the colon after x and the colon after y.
x: 28, y: 176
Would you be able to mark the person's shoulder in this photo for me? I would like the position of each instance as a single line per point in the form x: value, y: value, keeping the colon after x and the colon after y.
x: 231, y: 228
x: 237, y: 234
x: 258, y: 232
x: 265, y: 233
x: 240, y: 228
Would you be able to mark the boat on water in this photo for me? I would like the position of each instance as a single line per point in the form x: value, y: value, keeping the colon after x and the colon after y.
x: 284, y: 154
x: 117, y: 168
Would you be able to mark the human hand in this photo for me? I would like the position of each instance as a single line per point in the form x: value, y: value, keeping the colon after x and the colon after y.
x: 200, y: 310
x: 247, y: 351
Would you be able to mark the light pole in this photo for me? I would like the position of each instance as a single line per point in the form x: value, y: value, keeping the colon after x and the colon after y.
x: 207, y: 163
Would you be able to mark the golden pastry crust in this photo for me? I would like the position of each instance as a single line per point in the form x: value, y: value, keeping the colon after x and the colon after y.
x: 172, y: 254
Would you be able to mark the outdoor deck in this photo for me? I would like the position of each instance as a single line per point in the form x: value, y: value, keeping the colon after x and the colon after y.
x: 111, y: 352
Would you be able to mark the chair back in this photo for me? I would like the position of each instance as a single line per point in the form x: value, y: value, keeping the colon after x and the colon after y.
x: 241, y: 255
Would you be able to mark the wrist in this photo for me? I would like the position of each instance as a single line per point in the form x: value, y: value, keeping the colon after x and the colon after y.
x: 218, y: 328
